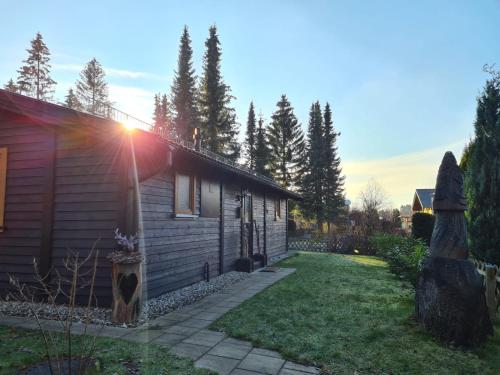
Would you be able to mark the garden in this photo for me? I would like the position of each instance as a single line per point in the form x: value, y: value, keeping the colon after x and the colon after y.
x: 349, y: 314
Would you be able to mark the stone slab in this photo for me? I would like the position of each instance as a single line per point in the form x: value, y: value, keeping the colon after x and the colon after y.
x: 189, y: 350
x: 223, y: 366
x: 263, y: 364
x: 228, y: 350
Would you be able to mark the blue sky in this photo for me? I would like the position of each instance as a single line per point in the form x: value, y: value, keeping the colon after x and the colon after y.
x: 401, y: 76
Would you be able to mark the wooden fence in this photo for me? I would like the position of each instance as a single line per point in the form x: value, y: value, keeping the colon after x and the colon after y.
x: 491, y: 275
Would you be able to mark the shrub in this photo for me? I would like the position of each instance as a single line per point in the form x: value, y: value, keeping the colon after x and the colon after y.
x: 404, y: 255
x: 422, y: 226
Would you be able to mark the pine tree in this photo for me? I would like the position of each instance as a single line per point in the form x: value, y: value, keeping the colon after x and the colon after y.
x: 166, y: 117
x: 313, y: 179
x: 71, y: 100
x: 92, y: 89
x: 157, y: 114
x: 482, y: 176
x: 11, y: 86
x: 261, y: 149
x: 334, y: 181
x: 250, y: 137
x: 218, y: 118
x: 286, y: 143
x: 34, y: 77
x: 184, y: 91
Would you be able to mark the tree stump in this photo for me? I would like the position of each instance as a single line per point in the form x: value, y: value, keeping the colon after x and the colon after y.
x: 450, y: 299
x: 127, y: 292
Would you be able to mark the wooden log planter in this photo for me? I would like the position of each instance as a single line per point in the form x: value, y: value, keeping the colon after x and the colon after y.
x: 127, y: 289
x: 126, y: 280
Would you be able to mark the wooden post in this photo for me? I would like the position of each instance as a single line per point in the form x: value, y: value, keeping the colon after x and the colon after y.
x: 491, y: 285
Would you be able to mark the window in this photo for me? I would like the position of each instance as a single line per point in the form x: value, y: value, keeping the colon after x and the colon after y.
x: 3, y: 182
x: 185, y: 191
x: 210, y: 198
x: 277, y: 209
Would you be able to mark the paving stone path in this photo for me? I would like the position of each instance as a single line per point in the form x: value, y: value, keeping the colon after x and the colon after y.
x: 185, y: 333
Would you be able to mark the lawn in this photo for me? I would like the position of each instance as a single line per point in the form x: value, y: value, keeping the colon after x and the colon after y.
x: 349, y: 315
x: 21, y: 347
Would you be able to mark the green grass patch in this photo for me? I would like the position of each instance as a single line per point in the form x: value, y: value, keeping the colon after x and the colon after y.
x: 20, y: 348
x: 347, y: 314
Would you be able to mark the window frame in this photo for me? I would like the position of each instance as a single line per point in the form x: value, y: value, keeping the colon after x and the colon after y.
x: 277, y: 209
x: 192, y: 195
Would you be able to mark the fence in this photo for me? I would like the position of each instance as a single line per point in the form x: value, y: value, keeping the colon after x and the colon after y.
x: 309, y: 244
x: 491, y: 275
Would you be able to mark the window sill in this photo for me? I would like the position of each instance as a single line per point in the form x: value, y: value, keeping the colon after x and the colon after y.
x: 185, y: 217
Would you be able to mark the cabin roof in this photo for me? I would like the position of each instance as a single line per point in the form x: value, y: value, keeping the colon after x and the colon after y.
x: 425, y: 197
x: 51, y: 114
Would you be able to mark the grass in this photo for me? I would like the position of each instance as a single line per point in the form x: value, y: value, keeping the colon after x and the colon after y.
x: 349, y: 315
x: 20, y: 348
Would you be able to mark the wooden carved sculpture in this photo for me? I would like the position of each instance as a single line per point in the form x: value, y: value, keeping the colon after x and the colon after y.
x: 450, y: 300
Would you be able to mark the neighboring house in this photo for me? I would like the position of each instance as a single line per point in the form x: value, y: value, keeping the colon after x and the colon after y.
x: 422, y: 201
x: 68, y: 179
x: 405, y: 213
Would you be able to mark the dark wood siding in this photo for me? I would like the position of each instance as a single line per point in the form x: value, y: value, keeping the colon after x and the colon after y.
x: 87, y: 206
x: 29, y: 162
x: 232, y: 226
x: 276, y: 228
x: 176, y: 249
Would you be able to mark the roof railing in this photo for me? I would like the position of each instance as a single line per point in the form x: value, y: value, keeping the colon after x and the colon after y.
x: 115, y: 114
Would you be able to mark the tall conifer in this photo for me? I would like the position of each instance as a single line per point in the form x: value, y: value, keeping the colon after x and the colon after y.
x: 482, y: 176
x: 261, y: 149
x: 185, y: 117
x: 313, y: 179
x: 92, y: 88
x: 11, y: 86
x: 334, y: 200
x: 286, y: 143
x: 218, y: 118
x: 71, y: 100
x: 34, y: 76
x: 250, y: 140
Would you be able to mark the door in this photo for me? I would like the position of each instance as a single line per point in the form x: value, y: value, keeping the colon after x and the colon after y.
x: 248, y: 222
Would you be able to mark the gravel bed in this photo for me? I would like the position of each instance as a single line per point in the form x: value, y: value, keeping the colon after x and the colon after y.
x: 153, y: 308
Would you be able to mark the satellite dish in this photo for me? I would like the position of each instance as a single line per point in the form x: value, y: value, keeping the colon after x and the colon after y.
x: 347, y: 202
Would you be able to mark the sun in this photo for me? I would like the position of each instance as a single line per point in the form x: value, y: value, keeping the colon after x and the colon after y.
x: 129, y: 125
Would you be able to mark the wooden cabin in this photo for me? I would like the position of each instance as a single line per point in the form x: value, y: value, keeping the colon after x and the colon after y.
x: 68, y: 179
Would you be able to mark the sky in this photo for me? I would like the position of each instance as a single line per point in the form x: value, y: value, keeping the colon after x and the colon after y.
x: 402, y: 77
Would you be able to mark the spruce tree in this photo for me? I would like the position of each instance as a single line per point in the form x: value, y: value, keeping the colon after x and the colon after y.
x: 286, y: 143
x: 334, y: 181
x: 261, y: 149
x: 92, y: 89
x: 11, y: 86
x: 184, y: 91
x: 34, y: 77
x: 250, y: 140
x: 313, y: 179
x: 157, y: 114
x: 71, y: 100
x: 218, y: 118
x: 482, y: 176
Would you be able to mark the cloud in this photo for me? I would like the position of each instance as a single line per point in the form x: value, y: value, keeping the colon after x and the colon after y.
x: 399, y: 175
x: 111, y: 72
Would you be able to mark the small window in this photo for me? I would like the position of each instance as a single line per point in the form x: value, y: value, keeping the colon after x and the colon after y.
x: 185, y: 191
x: 277, y: 209
x: 3, y: 183
x: 210, y: 198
